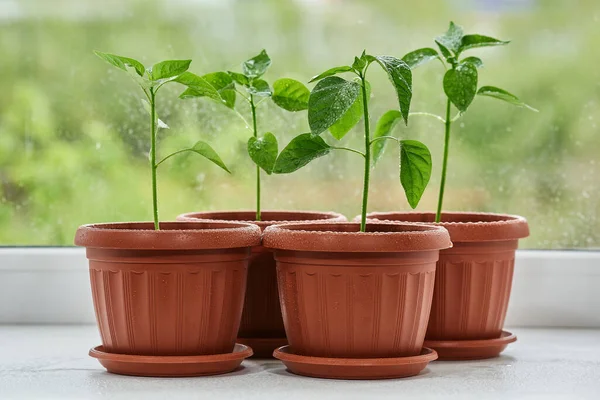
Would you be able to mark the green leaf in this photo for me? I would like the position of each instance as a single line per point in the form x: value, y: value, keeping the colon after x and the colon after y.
x: 290, y: 94
x: 240, y: 79
x: 329, y: 101
x: 452, y: 39
x: 260, y: 87
x: 415, y: 169
x: 299, y: 152
x: 169, y: 69
x: 384, y: 126
x: 198, y: 87
x: 359, y: 63
x: 460, y: 85
x: 419, y: 57
x: 263, y: 151
x: 445, y: 52
x: 223, y: 83
x: 208, y: 152
x: 476, y: 61
x: 122, y: 62
x: 351, y: 118
x: 330, y: 72
x: 473, y: 41
x: 256, y: 66
x: 401, y: 76
x: 497, y: 93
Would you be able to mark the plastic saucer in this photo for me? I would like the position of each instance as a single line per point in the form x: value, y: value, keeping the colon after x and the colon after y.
x: 263, y: 347
x: 471, y: 349
x: 354, y: 368
x: 171, y: 366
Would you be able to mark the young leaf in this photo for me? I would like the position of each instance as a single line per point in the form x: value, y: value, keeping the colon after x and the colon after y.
x: 122, y: 62
x: 256, y: 66
x: 445, y: 52
x: 384, y: 126
x: 240, y: 79
x: 401, y: 76
x: 299, y: 152
x: 198, y: 87
x: 263, y: 151
x: 473, y: 41
x: 223, y: 83
x: 330, y: 72
x: 415, y: 169
x: 452, y: 38
x: 169, y: 69
x: 359, y: 63
x: 476, y: 61
x: 419, y: 57
x: 290, y: 94
x: 351, y: 118
x: 208, y: 152
x: 492, y: 91
x: 148, y: 109
x: 329, y: 101
x: 460, y: 85
x: 259, y: 87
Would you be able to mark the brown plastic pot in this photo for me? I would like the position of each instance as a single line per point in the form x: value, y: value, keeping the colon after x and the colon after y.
x: 174, y: 292
x: 262, y: 325
x: 474, y: 278
x: 349, y: 294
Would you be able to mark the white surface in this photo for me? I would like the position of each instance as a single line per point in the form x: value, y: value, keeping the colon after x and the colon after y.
x: 51, y: 285
x: 52, y: 363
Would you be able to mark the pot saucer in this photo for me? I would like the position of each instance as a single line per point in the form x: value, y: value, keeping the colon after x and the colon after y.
x: 171, y: 366
x: 354, y: 368
x: 263, y: 347
x: 471, y: 349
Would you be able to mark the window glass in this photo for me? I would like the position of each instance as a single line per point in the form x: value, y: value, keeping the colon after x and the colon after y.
x: 74, y: 137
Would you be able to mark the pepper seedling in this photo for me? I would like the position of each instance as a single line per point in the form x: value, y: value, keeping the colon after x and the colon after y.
x: 289, y: 94
x: 337, y: 105
x: 150, y: 81
x: 460, y: 82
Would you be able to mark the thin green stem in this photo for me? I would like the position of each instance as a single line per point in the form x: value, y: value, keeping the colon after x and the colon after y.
x: 438, y: 215
x: 255, y: 131
x: 153, y: 158
x: 171, y: 155
x: 457, y: 116
x: 348, y: 149
x: 385, y: 138
x: 365, y: 197
x: 426, y: 114
x: 242, y: 118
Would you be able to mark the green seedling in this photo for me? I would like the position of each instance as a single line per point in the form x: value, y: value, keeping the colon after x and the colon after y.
x: 286, y: 93
x: 150, y: 81
x: 337, y: 105
x: 460, y: 82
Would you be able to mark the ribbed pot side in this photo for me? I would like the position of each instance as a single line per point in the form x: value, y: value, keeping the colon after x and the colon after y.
x: 474, y: 278
x: 174, y: 292
x: 261, y: 315
x: 354, y: 295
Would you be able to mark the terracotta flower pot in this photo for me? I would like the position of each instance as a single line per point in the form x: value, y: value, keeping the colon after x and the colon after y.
x: 355, y: 295
x: 174, y: 292
x: 262, y: 325
x: 474, y: 278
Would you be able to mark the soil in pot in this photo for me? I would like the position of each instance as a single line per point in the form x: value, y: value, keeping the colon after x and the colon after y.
x: 355, y: 295
x: 174, y: 292
x: 474, y: 278
x: 262, y: 325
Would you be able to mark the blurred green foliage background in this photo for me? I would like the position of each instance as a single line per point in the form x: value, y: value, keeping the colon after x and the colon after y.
x: 74, y: 138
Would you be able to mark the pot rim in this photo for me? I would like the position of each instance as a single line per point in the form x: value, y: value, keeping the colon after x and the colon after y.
x: 384, y: 236
x: 177, y: 235
x: 466, y: 226
x: 269, y: 217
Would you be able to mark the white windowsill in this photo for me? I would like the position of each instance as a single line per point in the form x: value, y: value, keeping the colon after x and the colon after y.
x: 51, y: 362
x: 51, y: 286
